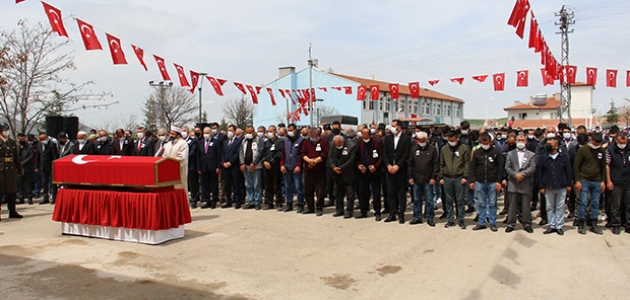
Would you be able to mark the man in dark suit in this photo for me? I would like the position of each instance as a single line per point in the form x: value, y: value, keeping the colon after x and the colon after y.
x: 342, y: 161
x: 25, y: 182
x: 270, y: 157
x: 369, y: 163
x: 83, y: 145
x: 122, y: 145
x: 395, y: 156
x: 65, y: 146
x: 521, y: 168
x: 219, y: 138
x: 49, y: 153
x: 208, y: 164
x: 193, y: 176
x: 104, y: 143
x: 231, y: 170
x: 144, y: 145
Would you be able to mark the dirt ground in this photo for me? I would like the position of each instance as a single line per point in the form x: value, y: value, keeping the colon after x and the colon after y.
x: 244, y: 254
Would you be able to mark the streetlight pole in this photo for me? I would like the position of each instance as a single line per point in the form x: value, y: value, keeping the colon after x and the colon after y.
x: 311, y: 63
x: 201, y: 75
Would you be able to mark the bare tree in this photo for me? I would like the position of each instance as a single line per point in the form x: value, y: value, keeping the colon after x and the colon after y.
x: 239, y: 112
x: 170, y: 106
x: 327, y: 110
x: 130, y: 123
x: 31, y: 85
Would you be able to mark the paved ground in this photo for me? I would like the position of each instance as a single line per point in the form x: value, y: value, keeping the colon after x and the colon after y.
x: 229, y: 254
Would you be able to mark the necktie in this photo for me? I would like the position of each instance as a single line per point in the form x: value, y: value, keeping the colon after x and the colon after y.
x: 230, y: 143
x: 206, y: 147
x: 139, y: 146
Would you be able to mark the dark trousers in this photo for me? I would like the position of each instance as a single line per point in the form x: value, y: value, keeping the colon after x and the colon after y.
x: 233, y: 188
x: 49, y: 188
x: 314, y: 185
x: 10, y: 198
x: 209, y: 184
x: 25, y: 184
x: 385, y: 191
x: 519, y: 203
x: 370, y: 183
x: 620, y: 197
x: 330, y: 185
x: 397, y: 188
x: 273, y: 186
x: 193, y: 186
x: 344, y: 190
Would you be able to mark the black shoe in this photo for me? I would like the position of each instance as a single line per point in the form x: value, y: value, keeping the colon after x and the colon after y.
x: 449, y: 224
x: 15, y: 215
x: 288, y: 208
x: 193, y: 205
x: 431, y: 223
x: 401, y: 220
x: 30, y: 201
x: 509, y: 229
x: 227, y: 205
x: 258, y: 207
x: 21, y: 201
x: 237, y: 206
x: 45, y: 201
x: 476, y: 219
x: 581, y: 227
x: 543, y: 222
x: 391, y: 218
x: 575, y: 222
x: 470, y: 210
x: 494, y: 228
x: 560, y: 231
x: 308, y: 212
x: 549, y: 231
x: 594, y: 228
x: 338, y: 214
x: 571, y: 215
x: 319, y: 213
x: 270, y: 207
x: 503, y: 212
x: 616, y: 230
x: 52, y: 202
x: 528, y: 229
x: 505, y: 221
x: 300, y: 209
x: 361, y: 216
x: 347, y: 216
x: 443, y: 216
x: 329, y: 204
x: 377, y: 217
x: 415, y: 221
x: 479, y: 227
x: 249, y: 206
x: 207, y: 205
x: 461, y: 225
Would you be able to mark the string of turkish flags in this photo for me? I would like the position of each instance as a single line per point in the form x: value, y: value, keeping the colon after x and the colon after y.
x: 551, y: 72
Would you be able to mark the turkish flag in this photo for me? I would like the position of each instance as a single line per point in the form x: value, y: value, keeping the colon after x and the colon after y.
x: 55, y: 19
x: 375, y: 90
x: 305, y: 111
x: 162, y: 67
x: 522, y: 78
x: 533, y: 31
x: 118, y: 56
x: 282, y: 93
x: 313, y: 95
x: 570, y: 71
x: 290, y: 95
x: 194, y: 77
x: 217, y: 84
x: 611, y: 78
x: 499, y: 81
x: 19, y: 1
x: 323, y: 89
x: 140, y: 55
x: 546, y: 78
x: 336, y: 88
x: 273, y: 100
x: 515, y: 15
x: 89, y: 36
x: 183, y: 81
x: 414, y: 87
x: 543, y: 52
x: 253, y: 94
x: 538, y: 43
x: 434, y: 82
x: 240, y: 87
x: 628, y: 78
x: 348, y: 90
x: 561, y: 74
x: 591, y: 76
x: 519, y: 16
x: 459, y: 80
x: 361, y: 91
x: 480, y: 78
x: 393, y: 90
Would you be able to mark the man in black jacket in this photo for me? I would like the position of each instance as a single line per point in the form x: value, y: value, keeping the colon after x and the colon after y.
x: 271, y: 152
x: 423, y: 171
x: 122, y: 144
x: 486, y: 174
x: 83, y: 145
x: 618, y: 160
x: 555, y: 174
x: 25, y: 182
x: 341, y: 159
x: 208, y: 159
x: 395, y: 157
x: 49, y: 153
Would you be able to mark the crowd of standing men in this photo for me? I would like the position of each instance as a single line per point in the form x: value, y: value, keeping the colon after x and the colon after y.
x: 552, y: 169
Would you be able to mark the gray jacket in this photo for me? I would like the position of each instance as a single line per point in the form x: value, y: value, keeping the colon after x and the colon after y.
x: 257, y: 145
x: 528, y: 169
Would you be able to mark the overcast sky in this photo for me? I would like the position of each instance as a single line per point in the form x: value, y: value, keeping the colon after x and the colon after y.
x: 394, y: 40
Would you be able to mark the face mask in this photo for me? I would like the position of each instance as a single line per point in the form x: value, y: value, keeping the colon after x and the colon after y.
x: 499, y: 137
x: 22, y: 143
x: 270, y: 135
x: 206, y: 136
x: 62, y: 143
x: 339, y: 147
x: 260, y: 134
x: 140, y: 135
x: 445, y: 138
x: 198, y: 134
x: 162, y: 138
x: 566, y: 136
x: 359, y: 134
x: 520, y: 145
x: 531, y: 137
x: 366, y: 140
x: 249, y: 136
x: 291, y: 134
x: 485, y: 147
x: 102, y: 139
x: 81, y: 141
x: 622, y: 146
x: 551, y: 135
x: 422, y: 144
x: 373, y: 131
x: 464, y: 131
x: 594, y: 147
x: 214, y: 131
x: 549, y: 148
x: 393, y: 130
x: 184, y: 135
x: 452, y: 144
x: 336, y: 131
x: 313, y: 139
x: 230, y: 134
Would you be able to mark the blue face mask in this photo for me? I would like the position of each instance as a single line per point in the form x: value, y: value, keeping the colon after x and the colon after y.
x: 313, y: 139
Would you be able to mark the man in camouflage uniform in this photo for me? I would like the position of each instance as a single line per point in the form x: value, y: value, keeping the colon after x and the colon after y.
x: 10, y: 167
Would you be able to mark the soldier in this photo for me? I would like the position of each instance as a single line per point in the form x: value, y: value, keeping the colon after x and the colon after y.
x: 10, y: 168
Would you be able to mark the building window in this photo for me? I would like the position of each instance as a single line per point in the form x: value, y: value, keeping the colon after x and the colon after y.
x: 458, y: 112
x: 448, y: 110
x: 365, y: 105
x: 414, y: 107
x: 553, y: 115
x: 522, y: 116
x: 437, y: 109
x: 370, y: 105
x: 388, y: 105
x: 426, y: 107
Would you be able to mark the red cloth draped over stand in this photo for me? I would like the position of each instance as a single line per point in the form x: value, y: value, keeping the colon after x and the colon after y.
x: 150, y: 210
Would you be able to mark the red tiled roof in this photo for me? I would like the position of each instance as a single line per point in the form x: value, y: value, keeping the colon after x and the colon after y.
x: 552, y: 103
x: 582, y: 84
x: 404, y: 89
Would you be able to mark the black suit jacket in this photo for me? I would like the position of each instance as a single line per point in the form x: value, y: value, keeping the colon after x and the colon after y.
x: 230, y: 153
x: 146, y: 149
x: 375, y: 156
x: 208, y: 162
x: 398, y: 156
x: 49, y: 152
x: 127, y: 148
x: 344, y: 159
x: 88, y: 148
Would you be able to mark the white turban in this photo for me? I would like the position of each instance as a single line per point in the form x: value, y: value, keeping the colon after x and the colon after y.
x: 176, y: 129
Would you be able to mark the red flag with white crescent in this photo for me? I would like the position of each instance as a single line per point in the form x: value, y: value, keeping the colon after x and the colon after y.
x: 522, y: 78
x: 183, y: 81
x: 90, y: 40
x: 55, y: 19
x: 571, y: 71
x: 591, y: 76
x: 414, y: 88
x: 546, y: 78
x: 118, y: 56
x: 323, y: 89
x: 515, y: 16
x: 459, y: 80
x: 348, y: 90
x: 282, y: 93
x: 434, y: 82
x: 336, y: 88
x: 162, y: 67
x: 361, y: 92
x: 253, y: 93
x: 273, y: 100
x: 240, y: 87
x: 140, y: 55
x: 217, y: 85
x: 611, y: 78
x: 375, y: 90
x: 499, y: 81
x: 290, y: 95
x: 393, y: 90
x: 533, y: 31
x: 480, y: 78
x: 520, y: 28
x: 194, y: 77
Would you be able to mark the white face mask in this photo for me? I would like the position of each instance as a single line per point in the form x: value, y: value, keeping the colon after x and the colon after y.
x: 230, y: 134
x: 81, y: 141
x: 339, y: 147
x: 184, y: 135
x: 594, y: 147
x: 485, y: 147
x: 140, y: 135
x: 566, y: 136
x: 270, y: 135
x: 206, y: 136
x: 452, y: 144
x: 414, y: 135
x: 291, y: 134
x: 249, y: 136
x: 422, y: 144
x: 464, y: 131
x: 373, y: 131
x: 366, y: 140
x: 359, y: 134
x: 622, y: 146
x: 214, y: 131
x: 520, y: 145
x: 393, y: 130
x: 531, y: 137
x: 102, y: 139
x: 260, y: 134
x: 551, y: 135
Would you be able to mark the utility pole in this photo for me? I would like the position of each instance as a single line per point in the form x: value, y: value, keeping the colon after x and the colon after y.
x: 201, y: 76
x: 311, y: 63
x: 566, y: 19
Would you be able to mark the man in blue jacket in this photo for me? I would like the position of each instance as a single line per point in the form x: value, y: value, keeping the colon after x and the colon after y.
x: 208, y: 164
x: 291, y: 168
x: 231, y: 170
x: 555, y: 175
